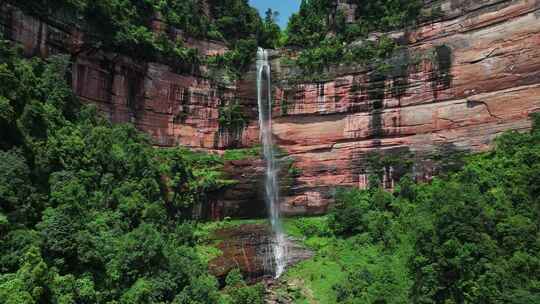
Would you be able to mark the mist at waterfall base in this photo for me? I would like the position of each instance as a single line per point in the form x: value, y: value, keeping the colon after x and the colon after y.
x: 264, y: 98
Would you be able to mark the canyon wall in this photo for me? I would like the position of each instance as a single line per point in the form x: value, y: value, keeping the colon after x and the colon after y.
x: 458, y: 83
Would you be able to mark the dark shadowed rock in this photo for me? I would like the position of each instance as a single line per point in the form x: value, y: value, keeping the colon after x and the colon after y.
x: 249, y: 248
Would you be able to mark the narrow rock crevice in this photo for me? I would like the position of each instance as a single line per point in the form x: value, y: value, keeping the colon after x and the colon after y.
x: 473, y: 103
x: 489, y: 55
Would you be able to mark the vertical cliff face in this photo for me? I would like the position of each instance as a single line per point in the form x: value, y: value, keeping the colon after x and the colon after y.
x: 455, y: 85
x: 174, y: 107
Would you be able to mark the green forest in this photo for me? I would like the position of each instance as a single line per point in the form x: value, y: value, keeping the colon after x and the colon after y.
x: 92, y: 212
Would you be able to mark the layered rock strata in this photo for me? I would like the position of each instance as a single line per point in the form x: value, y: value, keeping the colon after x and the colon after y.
x: 458, y: 83
x: 175, y: 107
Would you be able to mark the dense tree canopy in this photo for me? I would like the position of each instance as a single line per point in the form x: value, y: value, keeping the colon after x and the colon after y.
x: 322, y: 32
x: 317, y: 18
x: 90, y: 212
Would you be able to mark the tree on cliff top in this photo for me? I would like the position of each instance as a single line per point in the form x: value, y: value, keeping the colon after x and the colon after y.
x: 125, y: 26
x: 322, y: 33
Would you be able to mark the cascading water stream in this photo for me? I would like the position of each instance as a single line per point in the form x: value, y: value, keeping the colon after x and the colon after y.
x: 264, y: 98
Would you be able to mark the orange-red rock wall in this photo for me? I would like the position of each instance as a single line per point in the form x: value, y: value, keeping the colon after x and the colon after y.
x: 491, y: 85
x: 175, y: 108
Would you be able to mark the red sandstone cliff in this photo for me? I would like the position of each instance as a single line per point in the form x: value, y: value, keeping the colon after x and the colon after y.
x: 459, y: 83
x: 490, y: 84
x: 175, y: 108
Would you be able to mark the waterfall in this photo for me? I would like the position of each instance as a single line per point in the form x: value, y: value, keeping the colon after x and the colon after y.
x: 264, y: 98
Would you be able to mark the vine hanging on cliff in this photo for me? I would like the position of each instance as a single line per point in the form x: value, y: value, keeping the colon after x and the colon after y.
x: 232, y: 117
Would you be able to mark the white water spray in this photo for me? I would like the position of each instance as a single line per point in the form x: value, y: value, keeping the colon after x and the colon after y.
x: 264, y: 98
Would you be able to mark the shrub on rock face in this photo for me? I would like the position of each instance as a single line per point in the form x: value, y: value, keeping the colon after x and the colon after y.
x: 345, y: 216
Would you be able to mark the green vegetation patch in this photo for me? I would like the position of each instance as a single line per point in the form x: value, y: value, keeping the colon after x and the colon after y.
x: 327, y: 41
x: 240, y: 154
x: 238, y: 292
x: 318, y: 275
x: 232, y: 117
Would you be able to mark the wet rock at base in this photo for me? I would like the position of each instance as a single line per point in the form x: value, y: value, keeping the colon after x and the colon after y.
x: 249, y: 248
